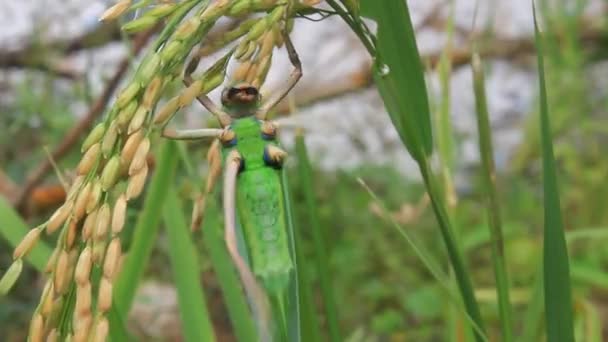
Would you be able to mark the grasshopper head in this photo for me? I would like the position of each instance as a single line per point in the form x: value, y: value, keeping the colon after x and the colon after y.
x: 241, y: 99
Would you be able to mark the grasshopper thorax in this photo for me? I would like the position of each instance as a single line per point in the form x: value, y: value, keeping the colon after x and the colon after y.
x: 241, y: 100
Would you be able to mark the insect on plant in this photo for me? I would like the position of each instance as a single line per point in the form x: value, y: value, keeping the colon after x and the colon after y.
x: 83, y: 271
x: 247, y: 148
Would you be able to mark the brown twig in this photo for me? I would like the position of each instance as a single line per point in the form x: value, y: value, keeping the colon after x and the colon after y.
x: 83, y: 125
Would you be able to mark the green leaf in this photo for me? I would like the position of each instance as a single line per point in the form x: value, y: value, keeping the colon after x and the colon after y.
x: 309, y: 323
x: 118, y: 330
x: 398, y: 73
x: 293, y: 314
x: 321, y: 258
x: 195, y: 319
x: 228, y: 279
x: 399, y: 77
x: 146, y: 229
x: 558, y: 296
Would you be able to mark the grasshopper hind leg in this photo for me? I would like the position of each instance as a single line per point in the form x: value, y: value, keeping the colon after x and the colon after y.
x: 253, y: 290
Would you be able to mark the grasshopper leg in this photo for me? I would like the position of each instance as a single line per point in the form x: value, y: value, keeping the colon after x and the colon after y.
x: 252, y: 287
x: 294, y: 77
x: 191, y: 134
x: 223, y: 117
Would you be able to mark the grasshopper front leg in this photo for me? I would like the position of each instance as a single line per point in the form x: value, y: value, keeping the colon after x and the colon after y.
x: 294, y: 77
x: 222, y: 117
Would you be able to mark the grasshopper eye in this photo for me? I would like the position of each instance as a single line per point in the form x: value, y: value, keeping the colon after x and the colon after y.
x: 232, y: 92
x: 251, y: 91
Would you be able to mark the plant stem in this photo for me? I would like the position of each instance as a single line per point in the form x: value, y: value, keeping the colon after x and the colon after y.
x: 493, y: 208
x: 454, y: 253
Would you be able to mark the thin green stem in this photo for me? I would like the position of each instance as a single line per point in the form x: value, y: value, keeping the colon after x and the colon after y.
x: 356, y: 26
x: 294, y: 327
x: 492, y: 205
x: 460, y: 270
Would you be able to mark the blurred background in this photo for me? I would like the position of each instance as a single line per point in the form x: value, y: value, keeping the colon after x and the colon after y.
x: 59, y: 67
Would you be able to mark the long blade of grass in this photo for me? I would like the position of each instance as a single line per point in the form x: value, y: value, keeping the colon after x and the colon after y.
x: 492, y: 206
x: 236, y: 303
x: 13, y: 229
x: 534, y: 312
x: 454, y: 253
x: 118, y: 329
x: 443, y: 121
x: 399, y: 76
x: 444, y: 139
x: 398, y: 73
x: 146, y: 228
x: 293, y: 306
x: 196, y: 324
x: 558, y: 297
x: 308, y: 316
x: 320, y: 256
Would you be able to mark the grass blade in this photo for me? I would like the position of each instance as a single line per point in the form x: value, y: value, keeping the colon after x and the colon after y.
x: 13, y: 229
x: 236, y: 303
x: 558, y: 296
x: 146, y: 229
x: 398, y: 73
x: 196, y: 324
x: 308, y: 316
x: 321, y: 258
x: 534, y: 312
x: 293, y: 310
x: 495, y: 223
x: 443, y: 122
x: 455, y: 255
x: 118, y: 329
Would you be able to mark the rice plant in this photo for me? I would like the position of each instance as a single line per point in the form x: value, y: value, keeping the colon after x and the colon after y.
x: 269, y: 248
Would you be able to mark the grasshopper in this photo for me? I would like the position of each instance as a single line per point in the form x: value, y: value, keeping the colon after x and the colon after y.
x: 252, y: 159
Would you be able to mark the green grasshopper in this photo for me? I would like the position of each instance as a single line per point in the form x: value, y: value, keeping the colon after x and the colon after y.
x: 252, y: 161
